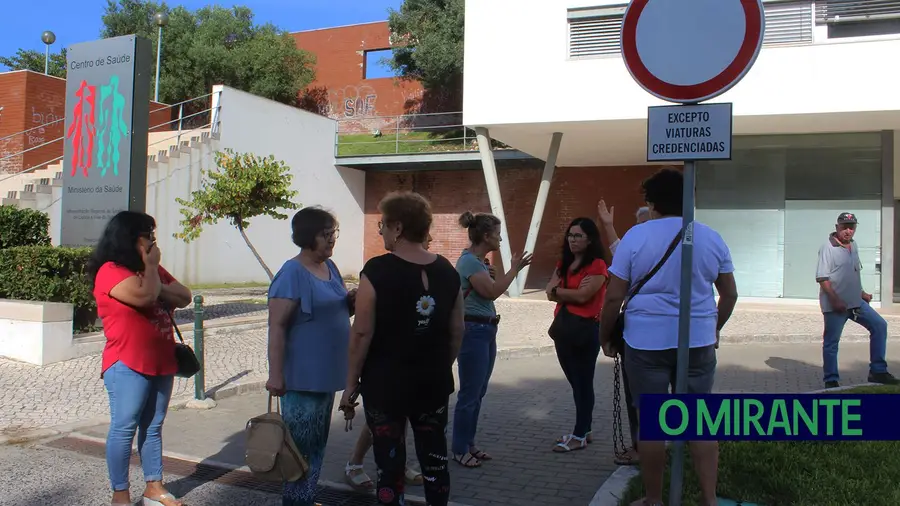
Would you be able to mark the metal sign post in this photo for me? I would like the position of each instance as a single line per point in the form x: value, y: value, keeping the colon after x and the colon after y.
x: 688, y: 52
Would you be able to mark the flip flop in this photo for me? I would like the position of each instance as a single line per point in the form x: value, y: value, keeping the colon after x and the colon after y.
x: 466, y: 461
x: 146, y: 501
x: 563, y: 447
x: 481, y: 455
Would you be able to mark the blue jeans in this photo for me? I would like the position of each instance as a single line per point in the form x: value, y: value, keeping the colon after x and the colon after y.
x: 136, y: 402
x: 476, y: 363
x: 834, y: 325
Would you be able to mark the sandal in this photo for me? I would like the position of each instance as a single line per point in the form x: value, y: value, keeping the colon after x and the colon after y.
x: 146, y: 501
x: 563, y: 446
x: 587, y: 437
x: 481, y: 455
x: 467, y: 460
x: 356, y: 477
x: 413, y: 477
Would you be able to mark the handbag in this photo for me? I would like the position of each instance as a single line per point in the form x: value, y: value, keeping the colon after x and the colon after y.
x: 188, y: 364
x: 270, y: 451
x: 571, y: 328
x: 617, y: 336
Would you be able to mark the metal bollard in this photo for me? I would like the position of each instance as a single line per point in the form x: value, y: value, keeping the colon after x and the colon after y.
x: 199, y: 383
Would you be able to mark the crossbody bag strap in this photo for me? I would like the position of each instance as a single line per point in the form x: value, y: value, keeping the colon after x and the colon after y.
x: 139, y: 311
x: 640, y: 284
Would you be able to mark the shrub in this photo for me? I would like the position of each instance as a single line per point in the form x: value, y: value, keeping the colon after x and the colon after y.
x: 23, y: 227
x: 51, y: 274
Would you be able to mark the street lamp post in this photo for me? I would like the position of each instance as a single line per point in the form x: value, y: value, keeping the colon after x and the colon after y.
x: 161, y: 19
x: 48, y: 38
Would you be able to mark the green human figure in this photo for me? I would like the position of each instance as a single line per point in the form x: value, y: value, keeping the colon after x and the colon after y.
x: 111, y: 126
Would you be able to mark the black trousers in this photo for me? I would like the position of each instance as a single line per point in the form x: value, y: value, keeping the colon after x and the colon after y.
x: 578, y: 363
x: 389, y: 450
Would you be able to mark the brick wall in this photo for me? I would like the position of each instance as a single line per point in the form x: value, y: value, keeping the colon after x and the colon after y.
x: 574, y: 192
x: 29, y: 100
x: 341, y: 91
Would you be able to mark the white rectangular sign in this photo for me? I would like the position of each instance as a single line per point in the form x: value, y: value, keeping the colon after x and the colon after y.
x: 689, y: 132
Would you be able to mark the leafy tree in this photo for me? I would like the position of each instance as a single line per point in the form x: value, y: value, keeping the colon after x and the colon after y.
x: 428, y: 43
x: 215, y: 45
x: 244, y: 187
x: 29, y: 59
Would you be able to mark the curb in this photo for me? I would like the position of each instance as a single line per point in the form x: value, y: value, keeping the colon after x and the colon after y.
x: 613, y: 488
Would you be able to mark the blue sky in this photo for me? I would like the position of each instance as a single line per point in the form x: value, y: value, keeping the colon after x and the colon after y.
x: 79, y: 21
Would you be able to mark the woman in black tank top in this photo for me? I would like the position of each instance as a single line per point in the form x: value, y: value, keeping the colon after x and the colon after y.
x: 405, y: 338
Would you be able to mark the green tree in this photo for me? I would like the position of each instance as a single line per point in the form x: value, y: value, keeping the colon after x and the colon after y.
x: 428, y: 43
x: 29, y: 59
x: 215, y: 45
x: 244, y: 186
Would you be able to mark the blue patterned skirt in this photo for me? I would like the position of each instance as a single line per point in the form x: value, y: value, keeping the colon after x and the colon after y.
x: 308, y: 417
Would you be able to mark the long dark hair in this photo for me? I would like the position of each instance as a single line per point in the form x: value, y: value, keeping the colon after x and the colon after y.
x: 118, y: 242
x: 595, y: 248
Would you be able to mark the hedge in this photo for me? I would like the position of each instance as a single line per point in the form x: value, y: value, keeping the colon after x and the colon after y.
x: 51, y: 274
x: 23, y: 227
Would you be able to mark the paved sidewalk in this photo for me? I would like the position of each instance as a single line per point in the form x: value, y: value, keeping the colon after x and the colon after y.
x: 33, y: 397
x: 527, y: 406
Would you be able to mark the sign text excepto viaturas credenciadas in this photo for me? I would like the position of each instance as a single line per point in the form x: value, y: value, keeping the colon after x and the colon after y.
x: 689, y: 132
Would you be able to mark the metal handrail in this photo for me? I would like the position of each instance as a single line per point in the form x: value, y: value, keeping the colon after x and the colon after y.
x: 32, y: 148
x: 32, y: 169
x: 403, y: 115
x: 393, y: 129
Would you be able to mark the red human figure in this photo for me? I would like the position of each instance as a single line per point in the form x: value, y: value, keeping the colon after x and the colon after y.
x: 82, y: 130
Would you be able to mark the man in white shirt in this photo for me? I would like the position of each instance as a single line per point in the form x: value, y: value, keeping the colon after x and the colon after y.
x: 609, y: 229
x: 651, y: 321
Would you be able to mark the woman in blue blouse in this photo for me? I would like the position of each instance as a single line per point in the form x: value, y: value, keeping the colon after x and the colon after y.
x: 309, y: 328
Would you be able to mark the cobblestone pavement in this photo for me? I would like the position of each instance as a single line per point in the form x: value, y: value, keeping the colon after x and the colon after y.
x: 527, y: 406
x: 41, y: 476
x: 34, y: 397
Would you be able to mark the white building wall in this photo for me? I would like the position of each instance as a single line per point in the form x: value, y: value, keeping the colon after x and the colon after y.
x: 517, y: 71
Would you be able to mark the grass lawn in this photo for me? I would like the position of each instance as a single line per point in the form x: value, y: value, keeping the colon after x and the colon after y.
x: 411, y: 142
x: 803, y: 473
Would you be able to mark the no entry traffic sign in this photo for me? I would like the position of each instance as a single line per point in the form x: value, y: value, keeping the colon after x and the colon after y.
x: 688, y: 51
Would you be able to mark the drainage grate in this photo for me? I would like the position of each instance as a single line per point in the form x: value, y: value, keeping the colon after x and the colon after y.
x: 205, y: 473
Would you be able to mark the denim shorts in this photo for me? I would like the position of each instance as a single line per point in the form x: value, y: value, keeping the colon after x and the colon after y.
x: 653, y: 371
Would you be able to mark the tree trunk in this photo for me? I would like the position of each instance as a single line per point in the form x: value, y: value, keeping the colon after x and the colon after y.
x: 255, y: 253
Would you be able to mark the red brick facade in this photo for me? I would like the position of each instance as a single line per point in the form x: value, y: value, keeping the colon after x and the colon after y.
x: 30, y: 99
x: 574, y: 192
x: 341, y: 91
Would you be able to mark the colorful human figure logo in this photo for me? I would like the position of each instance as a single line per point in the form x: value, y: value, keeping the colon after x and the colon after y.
x: 100, y: 120
x: 111, y: 126
x: 82, y: 130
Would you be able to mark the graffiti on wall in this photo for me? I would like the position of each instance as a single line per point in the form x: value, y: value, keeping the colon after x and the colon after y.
x: 352, y: 102
x: 40, y: 119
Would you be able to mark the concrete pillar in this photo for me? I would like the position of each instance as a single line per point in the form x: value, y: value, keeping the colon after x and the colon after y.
x: 888, y: 162
x: 541, y: 202
x: 493, y: 189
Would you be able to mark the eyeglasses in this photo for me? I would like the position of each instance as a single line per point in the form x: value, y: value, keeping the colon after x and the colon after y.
x: 576, y: 236
x: 331, y: 234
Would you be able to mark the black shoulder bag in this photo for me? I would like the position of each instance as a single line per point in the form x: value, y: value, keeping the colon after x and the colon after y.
x: 618, y: 333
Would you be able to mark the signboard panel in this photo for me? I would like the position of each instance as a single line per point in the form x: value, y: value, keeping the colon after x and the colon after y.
x: 689, y: 132
x: 107, y: 121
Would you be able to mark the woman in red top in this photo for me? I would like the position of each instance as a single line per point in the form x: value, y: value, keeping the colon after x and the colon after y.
x: 579, y: 284
x: 134, y: 296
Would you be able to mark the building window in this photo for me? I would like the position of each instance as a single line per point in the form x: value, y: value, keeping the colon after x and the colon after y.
x: 859, y: 18
x: 788, y: 22
x: 595, y: 31
x: 377, y: 64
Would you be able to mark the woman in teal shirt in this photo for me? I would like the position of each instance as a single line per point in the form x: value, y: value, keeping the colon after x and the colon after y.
x: 309, y: 329
x: 479, y: 345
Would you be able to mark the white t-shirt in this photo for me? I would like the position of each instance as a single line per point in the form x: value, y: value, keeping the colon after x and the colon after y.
x: 651, y: 321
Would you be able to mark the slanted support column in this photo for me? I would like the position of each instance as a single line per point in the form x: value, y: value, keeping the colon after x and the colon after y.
x: 888, y: 160
x: 541, y: 202
x: 493, y: 189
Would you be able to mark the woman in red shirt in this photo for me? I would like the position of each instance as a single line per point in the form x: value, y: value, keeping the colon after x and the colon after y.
x: 134, y: 296
x: 578, y: 286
